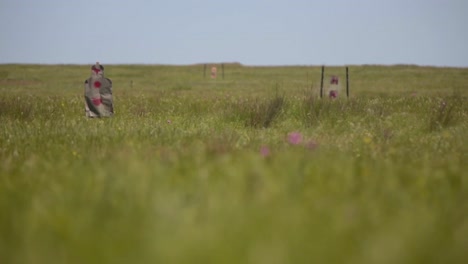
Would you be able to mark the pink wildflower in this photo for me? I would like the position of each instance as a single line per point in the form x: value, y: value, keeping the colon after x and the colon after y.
x: 264, y: 151
x: 294, y: 138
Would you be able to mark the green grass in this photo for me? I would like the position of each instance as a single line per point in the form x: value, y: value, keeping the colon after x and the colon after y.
x: 178, y: 175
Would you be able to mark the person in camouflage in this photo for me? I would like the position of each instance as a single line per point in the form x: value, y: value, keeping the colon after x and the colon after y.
x: 98, y: 94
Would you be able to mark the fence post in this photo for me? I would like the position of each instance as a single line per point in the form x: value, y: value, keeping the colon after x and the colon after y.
x: 321, y: 82
x: 347, y: 82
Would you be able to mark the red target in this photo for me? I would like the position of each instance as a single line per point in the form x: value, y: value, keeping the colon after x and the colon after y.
x: 334, y: 80
x: 97, y: 101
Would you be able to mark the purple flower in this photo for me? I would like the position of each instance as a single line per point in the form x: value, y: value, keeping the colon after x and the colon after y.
x: 264, y: 151
x: 333, y: 94
x: 294, y: 138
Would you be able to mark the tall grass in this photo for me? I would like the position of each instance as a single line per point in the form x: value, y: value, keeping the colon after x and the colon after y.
x: 180, y: 175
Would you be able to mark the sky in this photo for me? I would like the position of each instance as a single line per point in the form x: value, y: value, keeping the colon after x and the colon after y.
x: 251, y: 32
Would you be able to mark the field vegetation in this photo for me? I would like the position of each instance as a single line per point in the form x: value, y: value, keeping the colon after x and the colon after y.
x: 250, y: 168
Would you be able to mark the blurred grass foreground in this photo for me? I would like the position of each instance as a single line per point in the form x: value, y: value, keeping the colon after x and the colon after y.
x: 250, y: 167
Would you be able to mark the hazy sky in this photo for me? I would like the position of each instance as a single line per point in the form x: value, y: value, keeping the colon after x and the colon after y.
x: 252, y: 32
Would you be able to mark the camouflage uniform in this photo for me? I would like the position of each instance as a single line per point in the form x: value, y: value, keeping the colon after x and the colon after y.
x: 98, y: 94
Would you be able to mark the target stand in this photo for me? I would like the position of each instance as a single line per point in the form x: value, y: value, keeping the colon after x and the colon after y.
x: 334, y: 85
x: 213, y: 70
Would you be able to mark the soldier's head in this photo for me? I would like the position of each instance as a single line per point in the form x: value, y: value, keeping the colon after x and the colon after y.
x: 97, y: 70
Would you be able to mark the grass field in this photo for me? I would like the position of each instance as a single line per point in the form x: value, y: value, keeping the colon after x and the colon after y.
x: 252, y: 168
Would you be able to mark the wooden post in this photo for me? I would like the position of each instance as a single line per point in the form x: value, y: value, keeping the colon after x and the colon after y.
x: 204, y: 71
x: 347, y: 83
x: 321, y: 82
